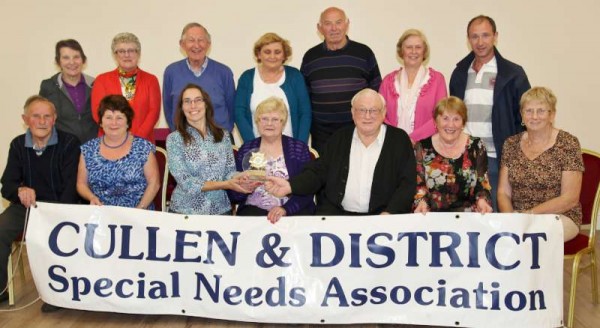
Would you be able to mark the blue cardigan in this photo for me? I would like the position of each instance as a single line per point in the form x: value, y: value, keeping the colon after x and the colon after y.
x: 294, y: 88
x: 296, y: 154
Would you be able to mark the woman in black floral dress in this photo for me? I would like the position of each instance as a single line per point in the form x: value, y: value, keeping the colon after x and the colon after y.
x: 451, y: 165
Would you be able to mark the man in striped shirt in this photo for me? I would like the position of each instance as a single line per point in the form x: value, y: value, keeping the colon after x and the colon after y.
x: 491, y: 87
x: 335, y: 71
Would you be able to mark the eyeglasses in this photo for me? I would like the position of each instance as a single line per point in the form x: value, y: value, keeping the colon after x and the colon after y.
x: 538, y: 111
x: 188, y: 102
x: 123, y: 52
x: 272, y: 120
x: 365, y: 111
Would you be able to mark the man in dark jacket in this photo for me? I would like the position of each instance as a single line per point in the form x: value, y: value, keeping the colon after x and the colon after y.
x: 491, y: 87
x: 41, y: 166
x: 367, y: 169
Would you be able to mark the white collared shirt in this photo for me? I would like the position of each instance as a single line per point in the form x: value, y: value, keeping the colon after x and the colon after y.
x: 360, y: 173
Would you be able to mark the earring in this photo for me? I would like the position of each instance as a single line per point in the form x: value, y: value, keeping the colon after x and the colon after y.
x: 522, y: 123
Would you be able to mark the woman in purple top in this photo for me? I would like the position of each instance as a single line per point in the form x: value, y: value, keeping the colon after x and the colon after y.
x: 412, y: 91
x: 285, y: 157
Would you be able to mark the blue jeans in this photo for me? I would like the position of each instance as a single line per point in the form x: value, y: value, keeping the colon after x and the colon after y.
x: 493, y: 172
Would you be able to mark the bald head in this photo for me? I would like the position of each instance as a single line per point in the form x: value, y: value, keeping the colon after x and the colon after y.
x: 332, y: 10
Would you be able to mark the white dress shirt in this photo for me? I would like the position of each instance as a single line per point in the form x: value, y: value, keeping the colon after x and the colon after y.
x: 360, y: 173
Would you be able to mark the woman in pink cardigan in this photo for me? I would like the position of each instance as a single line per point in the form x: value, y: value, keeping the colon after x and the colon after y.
x: 140, y: 88
x: 412, y: 91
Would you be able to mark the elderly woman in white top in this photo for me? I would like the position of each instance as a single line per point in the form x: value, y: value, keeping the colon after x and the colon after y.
x: 412, y: 91
x: 272, y: 78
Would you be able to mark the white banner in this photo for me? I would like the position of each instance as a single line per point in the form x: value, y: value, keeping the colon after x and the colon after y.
x: 452, y: 269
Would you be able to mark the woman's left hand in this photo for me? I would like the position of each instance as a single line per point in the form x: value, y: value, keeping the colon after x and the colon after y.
x: 483, y: 206
x: 275, y: 214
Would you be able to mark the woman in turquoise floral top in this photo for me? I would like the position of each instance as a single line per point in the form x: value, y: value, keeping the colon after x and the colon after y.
x: 451, y: 165
x: 200, y: 158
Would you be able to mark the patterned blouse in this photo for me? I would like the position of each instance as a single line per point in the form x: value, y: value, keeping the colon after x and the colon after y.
x: 120, y: 182
x: 263, y: 199
x: 533, y: 182
x: 452, y: 185
x: 192, y: 165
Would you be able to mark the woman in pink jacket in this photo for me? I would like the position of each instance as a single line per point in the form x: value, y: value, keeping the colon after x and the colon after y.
x: 412, y: 91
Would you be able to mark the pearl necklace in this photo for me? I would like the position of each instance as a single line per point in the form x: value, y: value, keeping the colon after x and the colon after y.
x: 117, y: 146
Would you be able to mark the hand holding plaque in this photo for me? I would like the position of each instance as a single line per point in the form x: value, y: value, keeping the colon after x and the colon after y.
x: 254, y: 164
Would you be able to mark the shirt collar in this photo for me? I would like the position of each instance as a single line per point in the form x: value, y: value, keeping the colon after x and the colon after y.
x: 202, y: 68
x: 380, y: 136
x: 492, y: 63
x: 51, y: 142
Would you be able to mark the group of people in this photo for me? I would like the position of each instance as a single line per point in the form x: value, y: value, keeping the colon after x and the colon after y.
x: 391, y: 146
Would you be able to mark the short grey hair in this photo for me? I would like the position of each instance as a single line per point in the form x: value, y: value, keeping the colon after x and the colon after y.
x: 369, y: 92
x: 194, y: 24
x: 125, y: 37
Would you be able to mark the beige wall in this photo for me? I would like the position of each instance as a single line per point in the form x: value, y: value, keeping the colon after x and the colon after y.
x: 555, y: 41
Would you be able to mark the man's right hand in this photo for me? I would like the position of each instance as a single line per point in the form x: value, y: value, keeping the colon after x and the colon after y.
x: 26, y: 196
x: 278, y: 187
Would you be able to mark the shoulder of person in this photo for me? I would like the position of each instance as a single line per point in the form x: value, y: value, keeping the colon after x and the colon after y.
x: 67, y: 138
x: 567, y: 138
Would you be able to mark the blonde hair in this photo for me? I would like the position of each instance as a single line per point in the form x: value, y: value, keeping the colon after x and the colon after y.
x: 269, y: 38
x: 272, y: 105
x: 413, y: 32
x: 541, y: 94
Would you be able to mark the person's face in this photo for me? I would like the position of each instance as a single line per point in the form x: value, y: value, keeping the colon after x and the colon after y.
x: 413, y: 50
x: 482, y: 40
x: 193, y: 106
x: 271, y: 55
x: 195, y: 44
x: 368, y: 114
x: 70, y: 62
x: 537, y: 115
x: 270, y: 125
x: 40, y: 118
x: 127, y: 55
x: 333, y: 26
x: 114, y: 123
x: 449, y: 125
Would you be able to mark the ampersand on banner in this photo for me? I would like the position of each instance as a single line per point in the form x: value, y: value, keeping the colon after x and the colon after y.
x: 270, y: 243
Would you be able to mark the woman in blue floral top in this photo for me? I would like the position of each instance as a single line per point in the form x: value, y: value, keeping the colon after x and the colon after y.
x: 200, y: 158
x: 451, y: 165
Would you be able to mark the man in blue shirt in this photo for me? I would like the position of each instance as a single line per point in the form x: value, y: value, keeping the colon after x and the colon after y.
x: 215, y: 78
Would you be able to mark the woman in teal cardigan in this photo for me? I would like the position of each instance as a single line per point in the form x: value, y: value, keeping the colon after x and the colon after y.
x: 273, y: 79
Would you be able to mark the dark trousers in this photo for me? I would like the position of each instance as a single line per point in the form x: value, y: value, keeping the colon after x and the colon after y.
x: 12, y: 222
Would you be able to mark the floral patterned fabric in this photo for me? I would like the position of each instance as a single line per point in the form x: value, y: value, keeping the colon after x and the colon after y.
x: 452, y: 185
x: 536, y: 181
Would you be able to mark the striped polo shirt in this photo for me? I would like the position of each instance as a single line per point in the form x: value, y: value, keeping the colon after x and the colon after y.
x: 479, y: 98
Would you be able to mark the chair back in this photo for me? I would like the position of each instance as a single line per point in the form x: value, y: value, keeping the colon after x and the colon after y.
x: 313, y: 153
x: 163, y: 171
x: 590, y: 191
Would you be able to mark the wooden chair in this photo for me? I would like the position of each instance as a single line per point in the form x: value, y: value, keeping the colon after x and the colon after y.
x: 160, y: 200
x: 313, y: 153
x: 583, y: 245
x: 16, y: 249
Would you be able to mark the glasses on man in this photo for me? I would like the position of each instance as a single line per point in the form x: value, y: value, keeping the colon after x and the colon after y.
x: 271, y: 120
x: 538, y: 111
x: 123, y: 52
x: 189, y: 101
x: 365, y: 111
